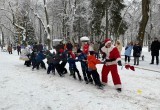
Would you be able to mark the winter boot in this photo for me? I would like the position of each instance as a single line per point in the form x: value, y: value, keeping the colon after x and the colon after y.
x: 119, y: 90
x: 100, y: 87
x: 80, y: 78
x: 74, y: 77
x: 53, y: 72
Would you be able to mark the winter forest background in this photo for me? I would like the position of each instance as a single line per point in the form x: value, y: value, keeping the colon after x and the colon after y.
x: 29, y: 21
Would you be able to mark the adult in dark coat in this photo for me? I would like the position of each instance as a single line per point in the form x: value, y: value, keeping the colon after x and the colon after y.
x: 10, y: 49
x: 155, y: 47
x: 69, y: 46
x: 19, y: 49
x: 137, y: 49
x: 59, y: 46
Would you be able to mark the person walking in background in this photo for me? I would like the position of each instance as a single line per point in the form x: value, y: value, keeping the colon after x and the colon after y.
x: 128, y: 51
x: 137, y: 49
x: 10, y: 49
x: 119, y: 46
x: 19, y: 49
x: 155, y: 47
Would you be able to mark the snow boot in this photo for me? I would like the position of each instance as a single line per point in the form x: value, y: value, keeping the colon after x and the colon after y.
x: 100, y: 87
x: 119, y: 90
x: 86, y: 82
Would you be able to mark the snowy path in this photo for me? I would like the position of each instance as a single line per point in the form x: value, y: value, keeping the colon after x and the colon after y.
x: 24, y: 89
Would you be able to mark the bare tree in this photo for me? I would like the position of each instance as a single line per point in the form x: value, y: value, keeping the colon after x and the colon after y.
x: 144, y: 21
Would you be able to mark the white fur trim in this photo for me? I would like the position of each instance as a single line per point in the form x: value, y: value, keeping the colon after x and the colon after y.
x: 104, y: 49
x: 118, y: 86
x: 107, y: 43
x: 118, y: 59
x: 111, y: 63
x: 107, y: 50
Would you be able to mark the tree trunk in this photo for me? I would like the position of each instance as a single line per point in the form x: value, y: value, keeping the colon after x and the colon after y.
x: 2, y: 42
x: 107, y: 18
x: 143, y: 23
x: 48, y: 28
x: 40, y: 32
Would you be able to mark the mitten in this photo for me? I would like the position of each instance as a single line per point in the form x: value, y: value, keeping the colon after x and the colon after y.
x: 119, y: 63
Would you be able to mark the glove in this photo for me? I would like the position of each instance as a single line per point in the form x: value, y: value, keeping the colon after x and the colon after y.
x: 103, y: 61
x: 119, y: 63
x: 110, y: 60
x: 103, y: 55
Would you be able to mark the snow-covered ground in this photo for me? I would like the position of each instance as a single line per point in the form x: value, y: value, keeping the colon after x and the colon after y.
x: 24, y: 89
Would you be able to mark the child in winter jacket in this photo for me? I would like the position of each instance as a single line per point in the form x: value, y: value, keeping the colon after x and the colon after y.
x: 92, y: 61
x: 73, y: 67
x: 50, y: 59
x: 83, y: 59
x: 39, y: 60
x: 56, y: 63
x: 63, y: 57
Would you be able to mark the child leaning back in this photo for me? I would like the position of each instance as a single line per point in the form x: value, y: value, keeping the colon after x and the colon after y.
x: 92, y: 61
x: 72, y: 66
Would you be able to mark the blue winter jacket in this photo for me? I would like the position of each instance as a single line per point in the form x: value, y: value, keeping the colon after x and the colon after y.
x: 40, y: 57
x: 128, y: 50
x: 72, y: 63
x: 82, y: 57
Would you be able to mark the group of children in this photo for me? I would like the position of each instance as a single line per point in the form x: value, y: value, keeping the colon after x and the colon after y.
x: 58, y: 60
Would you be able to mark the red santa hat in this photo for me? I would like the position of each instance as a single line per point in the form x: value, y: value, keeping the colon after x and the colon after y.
x: 107, y: 41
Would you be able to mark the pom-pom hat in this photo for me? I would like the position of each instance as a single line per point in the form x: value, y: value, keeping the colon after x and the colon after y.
x: 107, y: 41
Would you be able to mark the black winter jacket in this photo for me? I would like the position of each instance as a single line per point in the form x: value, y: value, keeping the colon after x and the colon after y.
x: 155, y: 46
x: 137, y: 51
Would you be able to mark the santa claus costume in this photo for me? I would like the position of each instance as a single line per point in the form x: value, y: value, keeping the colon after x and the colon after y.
x: 112, y: 57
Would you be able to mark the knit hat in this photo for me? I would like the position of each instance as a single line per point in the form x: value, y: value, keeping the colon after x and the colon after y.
x: 107, y: 41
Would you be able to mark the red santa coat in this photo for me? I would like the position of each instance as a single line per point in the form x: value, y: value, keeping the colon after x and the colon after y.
x: 111, y: 53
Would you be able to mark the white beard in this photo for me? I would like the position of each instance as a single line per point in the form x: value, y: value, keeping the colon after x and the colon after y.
x: 107, y: 50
